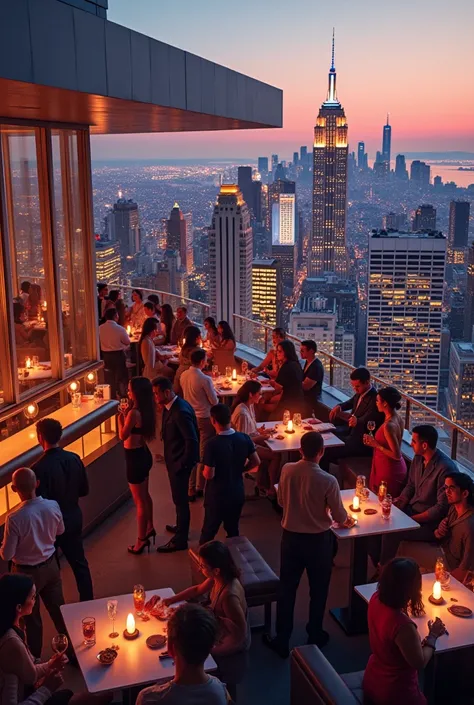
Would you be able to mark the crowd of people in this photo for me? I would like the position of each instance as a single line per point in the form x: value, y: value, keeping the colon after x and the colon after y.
x: 208, y: 448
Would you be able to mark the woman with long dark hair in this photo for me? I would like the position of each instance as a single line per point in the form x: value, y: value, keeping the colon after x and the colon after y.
x: 115, y: 301
x: 167, y: 319
x: 153, y: 364
x: 288, y: 385
x: 212, y: 334
x: 391, y: 676
x: 136, y: 311
x: 136, y: 427
x: 227, y: 337
x: 192, y: 342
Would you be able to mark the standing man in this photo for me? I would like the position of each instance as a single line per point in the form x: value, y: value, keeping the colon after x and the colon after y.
x: 355, y: 413
x: 62, y: 477
x: 29, y: 540
x: 181, y: 447
x: 180, y: 324
x: 199, y: 391
x: 313, y: 375
x: 456, y: 532
x: 114, y: 341
x: 226, y: 458
x: 306, y: 494
x: 102, y: 294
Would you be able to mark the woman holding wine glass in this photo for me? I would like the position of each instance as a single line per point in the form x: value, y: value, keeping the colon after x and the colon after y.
x: 388, y: 464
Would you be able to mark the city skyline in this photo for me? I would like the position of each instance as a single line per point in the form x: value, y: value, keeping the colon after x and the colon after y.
x: 416, y: 86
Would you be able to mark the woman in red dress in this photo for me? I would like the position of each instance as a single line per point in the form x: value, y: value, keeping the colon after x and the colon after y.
x: 391, y: 676
x: 387, y: 462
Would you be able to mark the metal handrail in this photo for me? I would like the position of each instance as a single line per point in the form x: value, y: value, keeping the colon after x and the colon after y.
x: 161, y: 293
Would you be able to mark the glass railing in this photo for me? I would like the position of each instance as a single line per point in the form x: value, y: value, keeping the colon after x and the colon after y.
x: 197, y: 310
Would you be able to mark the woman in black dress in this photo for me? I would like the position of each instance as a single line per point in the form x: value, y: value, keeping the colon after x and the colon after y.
x: 288, y: 384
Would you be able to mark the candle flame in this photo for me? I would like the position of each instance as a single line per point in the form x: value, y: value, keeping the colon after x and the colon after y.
x: 130, y: 624
x: 129, y: 329
x: 28, y: 362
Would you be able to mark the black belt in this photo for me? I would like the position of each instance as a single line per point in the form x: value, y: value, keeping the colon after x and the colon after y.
x: 38, y: 565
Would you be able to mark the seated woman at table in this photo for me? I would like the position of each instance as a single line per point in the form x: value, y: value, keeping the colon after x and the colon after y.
x: 271, y: 365
x: 227, y: 338
x: 166, y: 324
x: 289, y: 383
x: 150, y: 310
x: 34, y: 300
x: 22, y: 334
x: 212, y: 338
x: 136, y: 312
x: 19, y: 673
x: 391, y: 676
x: 156, y: 303
x: 192, y: 342
x: 115, y: 301
x: 388, y: 463
x: 243, y: 420
x: 153, y: 363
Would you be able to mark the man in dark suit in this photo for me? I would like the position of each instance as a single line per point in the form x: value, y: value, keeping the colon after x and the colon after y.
x: 102, y: 296
x: 62, y: 477
x: 181, y: 447
x: 355, y: 412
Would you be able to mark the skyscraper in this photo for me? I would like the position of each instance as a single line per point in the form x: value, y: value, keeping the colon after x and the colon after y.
x: 405, y: 297
x: 458, y: 224
x: 266, y: 291
x: 387, y: 143
x: 188, y: 264
x: 230, y: 256
x: 123, y: 226
x: 395, y: 221
x: 328, y: 241
x: 263, y: 169
x: 361, y: 156
x: 107, y: 261
x: 420, y: 172
x: 176, y: 233
x: 469, y: 304
x: 425, y: 218
x: 284, y: 219
x: 274, y: 161
x: 303, y: 155
x: 401, y: 167
x: 251, y: 191
x: 461, y: 384
x: 274, y: 191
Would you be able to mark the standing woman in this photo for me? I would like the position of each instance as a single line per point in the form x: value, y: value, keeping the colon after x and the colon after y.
x: 153, y: 365
x: 289, y: 382
x: 115, y: 301
x: 136, y: 311
x: 192, y: 342
x: 167, y: 321
x: 212, y: 334
x: 136, y: 427
x: 388, y: 463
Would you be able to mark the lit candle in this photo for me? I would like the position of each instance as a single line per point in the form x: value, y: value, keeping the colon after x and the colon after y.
x: 28, y: 363
x: 184, y: 342
x: 355, y: 503
x: 290, y: 426
x: 31, y: 409
x: 130, y: 624
x: 234, y: 375
x: 437, y: 590
x: 129, y: 329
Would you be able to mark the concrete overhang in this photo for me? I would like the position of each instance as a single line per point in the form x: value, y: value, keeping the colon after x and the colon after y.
x: 59, y: 63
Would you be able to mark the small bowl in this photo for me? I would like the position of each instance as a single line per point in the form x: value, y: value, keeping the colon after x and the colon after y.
x: 113, y: 656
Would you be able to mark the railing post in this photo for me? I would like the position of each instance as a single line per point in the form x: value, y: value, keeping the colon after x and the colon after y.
x: 454, y: 443
x: 407, y: 414
x: 331, y: 372
x: 266, y: 339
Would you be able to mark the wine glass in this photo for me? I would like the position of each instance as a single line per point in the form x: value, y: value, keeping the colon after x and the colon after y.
x: 245, y: 367
x: 123, y: 406
x: 371, y: 427
x: 286, y: 416
x: 59, y: 643
x: 112, y: 613
x: 215, y: 371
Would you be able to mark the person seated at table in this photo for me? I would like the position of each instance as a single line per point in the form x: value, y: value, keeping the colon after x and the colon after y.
x: 192, y: 632
x: 166, y: 324
x: 391, y: 676
x: 22, y: 334
x: 423, y: 497
x: 19, y: 672
x: 156, y: 303
x: 192, y: 342
x: 356, y: 412
x: 212, y: 334
x: 313, y: 375
x: 136, y: 312
x: 34, y: 300
x: 388, y: 464
x: 227, y: 337
x: 270, y: 364
x: 153, y: 364
x: 288, y: 384
x: 150, y: 310
x: 180, y: 324
x: 24, y: 292
x: 243, y: 420
x: 115, y: 301
x: 456, y: 531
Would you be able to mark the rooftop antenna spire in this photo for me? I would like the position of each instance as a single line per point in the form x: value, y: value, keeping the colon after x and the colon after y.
x: 332, y: 57
x: 332, y: 97
x: 388, y: 118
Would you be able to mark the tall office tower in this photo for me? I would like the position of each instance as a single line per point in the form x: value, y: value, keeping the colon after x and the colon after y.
x: 230, y: 257
x: 304, y: 155
x: 274, y: 191
x: 107, y: 261
x: 425, y: 218
x: 395, y: 221
x: 266, y: 291
x: 176, y: 232
x: 295, y: 158
x: 469, y: 309
x: 123, y: 225
x: 274, y: 161
x: 438, y: 182
x: 188, y: 263
x: 315, y: 318
x: 420, y: 172
x: 387, y: 143
x: 263, y: 169
x: 361, y: 156
x: 284, y: 219
x: 328, y: 241
x: 405, y: 297
x: 458, y: 230
x: 401, y: 167
x: 280, y: 173
x: 461, y: 385
x: 244, y: 180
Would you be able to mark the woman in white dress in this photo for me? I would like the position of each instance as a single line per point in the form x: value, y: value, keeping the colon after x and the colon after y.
x: 153, y: 366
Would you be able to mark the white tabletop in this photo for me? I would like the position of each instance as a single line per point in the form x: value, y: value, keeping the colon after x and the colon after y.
x: 135, y: 664
x: 461, y: 630
x: 292, y: 441
x: 236, y: 385
x: 373, y: 524
x: 39, y: 372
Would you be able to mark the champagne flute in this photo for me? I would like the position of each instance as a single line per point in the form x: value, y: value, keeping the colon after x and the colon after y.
x: 59, y: 643
x: 371, y: 427
x: 112, y: 613
x: 123, y: 406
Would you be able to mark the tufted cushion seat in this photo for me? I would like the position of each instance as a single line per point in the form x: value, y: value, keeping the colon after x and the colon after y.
x: 258, y: 579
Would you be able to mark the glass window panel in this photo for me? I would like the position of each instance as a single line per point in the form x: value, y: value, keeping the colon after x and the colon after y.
x: 3, y: 502
x: 26, y: 237
x: 70, y: 246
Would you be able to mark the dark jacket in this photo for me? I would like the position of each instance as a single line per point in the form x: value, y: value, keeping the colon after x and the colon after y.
x: 180, y: 437
x: 425, y: 488
x: 62, y: 477
x: 365, y: 411
x: 178, y: 330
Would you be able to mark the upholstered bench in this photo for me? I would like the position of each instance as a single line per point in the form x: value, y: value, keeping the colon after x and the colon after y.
x: 349, y: 468
x: 315, y: 682
x: 258, y: 579
x: 423, y: 552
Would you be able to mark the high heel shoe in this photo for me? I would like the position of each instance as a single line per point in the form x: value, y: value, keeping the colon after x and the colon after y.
x: 137, y: 552
x: 151, y: 535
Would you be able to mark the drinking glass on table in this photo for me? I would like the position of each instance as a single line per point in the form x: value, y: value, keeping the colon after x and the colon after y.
x: 35, y: 361
x: 382, y: 491
x: 387, y: 506
x: 59, y: 643
x: 228, y: 372
x: 286, y: 416
x: 297, y: 419
x: 245, y: 367
x: 215, y: 371
x: 112, y: 613
x: 371, y: 427
x: 88, y: 630
x: 139, y: 599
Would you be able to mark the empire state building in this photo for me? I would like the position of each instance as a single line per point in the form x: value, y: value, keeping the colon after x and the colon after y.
x: 328, y: 242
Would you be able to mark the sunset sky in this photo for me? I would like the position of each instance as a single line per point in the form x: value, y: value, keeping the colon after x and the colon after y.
x: 412, y: 58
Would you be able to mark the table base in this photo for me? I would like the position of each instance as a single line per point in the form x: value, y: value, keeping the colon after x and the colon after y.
x: 353, y: 618
x: 352, y: 623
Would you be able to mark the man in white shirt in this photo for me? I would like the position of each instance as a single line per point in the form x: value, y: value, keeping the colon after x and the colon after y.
x: 199, y: 391
x: 307, y: 494
x: 114, y: 341
x: 31, y: 529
